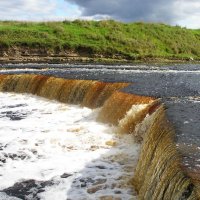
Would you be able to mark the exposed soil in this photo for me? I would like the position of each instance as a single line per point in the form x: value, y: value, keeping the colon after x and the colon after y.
x: 45, y: 55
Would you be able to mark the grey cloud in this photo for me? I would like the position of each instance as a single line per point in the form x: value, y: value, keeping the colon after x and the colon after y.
x: 183, y: 12
x: 129, y: 10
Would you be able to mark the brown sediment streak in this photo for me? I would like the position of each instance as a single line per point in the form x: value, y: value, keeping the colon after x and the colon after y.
x: 159, y: 173
x: 108, y: 90
x: 116, y: 107
x: 69, y: 91
x: 100, y: 92
x: 22, y: 83
x: 90, y: 99
x: 2, y: 77
x: 134, y: 117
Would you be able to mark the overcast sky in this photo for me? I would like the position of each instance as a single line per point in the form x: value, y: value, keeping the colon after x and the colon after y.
x: 175, y: 12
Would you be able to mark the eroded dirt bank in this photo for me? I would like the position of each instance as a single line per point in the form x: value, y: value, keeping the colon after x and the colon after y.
x: 44, y: 55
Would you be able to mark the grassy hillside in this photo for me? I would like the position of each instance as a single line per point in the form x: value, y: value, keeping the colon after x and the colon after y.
x: 107, y: 38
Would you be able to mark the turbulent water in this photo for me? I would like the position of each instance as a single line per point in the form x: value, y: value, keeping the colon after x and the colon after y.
x: 177, y: 86
x: 50, y: 150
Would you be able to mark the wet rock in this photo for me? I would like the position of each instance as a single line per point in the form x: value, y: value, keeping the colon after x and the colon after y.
x: 100, y: 167
x: 117, y: 192
x: 14, y: 156
x: 99, y: 181
x: 86, y: 180
x: 65, y: 175
x: 83, y: 185
x: 34, y: 151
x: 15, y: 106
x: 14, y: 116
x: 93, y: 148
x: 2, y: 160
x: 1, y: 147
x: 94, y: 189
x: 27, y: 189
x: 21, y: 190
x: 45, y: 183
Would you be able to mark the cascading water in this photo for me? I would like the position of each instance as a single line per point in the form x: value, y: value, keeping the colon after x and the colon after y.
x: 159, y: 173
x: 51, y: 150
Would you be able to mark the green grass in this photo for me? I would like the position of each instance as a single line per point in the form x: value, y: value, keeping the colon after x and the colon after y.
x: 107, y: 38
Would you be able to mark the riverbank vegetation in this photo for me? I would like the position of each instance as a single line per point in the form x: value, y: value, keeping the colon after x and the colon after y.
x: 132, y: 41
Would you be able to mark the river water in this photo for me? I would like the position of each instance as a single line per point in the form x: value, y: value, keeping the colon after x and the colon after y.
x: 177, y: 85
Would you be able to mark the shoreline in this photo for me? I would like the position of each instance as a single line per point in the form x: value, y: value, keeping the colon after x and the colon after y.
x: 83, y: 60
x: 103, y: 42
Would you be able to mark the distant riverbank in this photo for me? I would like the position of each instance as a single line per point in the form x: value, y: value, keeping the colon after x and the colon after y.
x: 96, y: 42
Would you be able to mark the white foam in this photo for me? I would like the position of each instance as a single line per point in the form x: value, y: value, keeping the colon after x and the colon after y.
x: 55, y: 138
x: 119, y: 70
x: 131, y: 114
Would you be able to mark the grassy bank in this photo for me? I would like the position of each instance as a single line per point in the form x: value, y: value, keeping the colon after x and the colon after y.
x: 132, y: 41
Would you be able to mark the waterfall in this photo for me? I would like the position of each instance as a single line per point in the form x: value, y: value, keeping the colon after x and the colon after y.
x: 159, y: 173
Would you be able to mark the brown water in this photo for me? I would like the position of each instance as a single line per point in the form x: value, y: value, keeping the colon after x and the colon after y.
x: 178, y: 86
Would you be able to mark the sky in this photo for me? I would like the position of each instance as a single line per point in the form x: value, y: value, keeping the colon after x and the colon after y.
x: 185, y: 13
